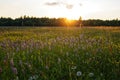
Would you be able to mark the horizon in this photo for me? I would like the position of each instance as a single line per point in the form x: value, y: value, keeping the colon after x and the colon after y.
x: 70, y: 9
x: 56, y: 18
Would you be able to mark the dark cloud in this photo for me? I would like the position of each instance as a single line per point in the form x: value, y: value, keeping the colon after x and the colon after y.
x: 52, y: 3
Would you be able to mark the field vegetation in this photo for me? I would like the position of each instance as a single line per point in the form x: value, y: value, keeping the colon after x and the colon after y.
x: 60, y: 53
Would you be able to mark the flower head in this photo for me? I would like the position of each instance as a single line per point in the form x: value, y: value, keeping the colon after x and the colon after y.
x: 34, y: 77
x: 101, y: 74
x: 79, y: 73
x: 47, y: 67
x: 12, y: 62
x: 17, y: 78
x: 91, y: 74
x: 0, y: 70
x: 74, y: 67
x: 59, y: 60
x: 20, y: 62
x: 14, y: 70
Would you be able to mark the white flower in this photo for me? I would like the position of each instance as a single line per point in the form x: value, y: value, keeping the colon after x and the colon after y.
x: 17, y: 78
x: 101, y: 74
x: 73, y: 67
x: 91, y: 74
x: 87, y: 53
x: 12, y: 62
x: 30, y: 78
x: 34, y: 77
x: 67, y: 53
x: 47, y: 67
x: 79, y: 73
x: 59, y: 60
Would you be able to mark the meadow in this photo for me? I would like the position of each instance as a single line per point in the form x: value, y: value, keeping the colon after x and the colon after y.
x: 60, y: 53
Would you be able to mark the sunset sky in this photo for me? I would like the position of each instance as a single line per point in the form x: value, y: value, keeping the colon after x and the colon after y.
x: 72, y: 9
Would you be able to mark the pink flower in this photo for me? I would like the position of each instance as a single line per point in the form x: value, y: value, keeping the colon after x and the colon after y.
x: 0, y: 70
x: 20, y: 62
x: 14, y: 70
x: 12, y: 62
x: 5, y: 62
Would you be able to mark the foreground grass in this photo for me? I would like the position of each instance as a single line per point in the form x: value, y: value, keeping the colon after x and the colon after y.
x: 59, y: 53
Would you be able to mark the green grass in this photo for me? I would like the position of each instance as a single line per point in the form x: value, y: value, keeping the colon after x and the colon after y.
x: 60, y: 53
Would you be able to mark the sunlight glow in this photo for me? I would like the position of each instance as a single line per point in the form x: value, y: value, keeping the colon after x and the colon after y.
x: 69, y: 22
x: 76, y: 11
x: 71, y: 9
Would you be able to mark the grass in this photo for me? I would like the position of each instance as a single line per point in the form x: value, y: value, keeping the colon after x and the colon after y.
x: 60, y: 53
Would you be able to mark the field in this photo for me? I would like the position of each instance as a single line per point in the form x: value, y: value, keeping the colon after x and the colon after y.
x: 45, y: 53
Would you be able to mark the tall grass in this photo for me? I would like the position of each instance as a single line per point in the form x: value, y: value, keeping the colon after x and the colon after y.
x: 59, y: 53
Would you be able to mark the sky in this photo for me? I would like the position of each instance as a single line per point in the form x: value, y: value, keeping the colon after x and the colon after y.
x: 71, y: 9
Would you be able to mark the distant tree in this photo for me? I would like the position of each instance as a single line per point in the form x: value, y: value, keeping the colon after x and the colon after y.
x: 80, y: 21
x: 45, y: 21
x: 6, y: 21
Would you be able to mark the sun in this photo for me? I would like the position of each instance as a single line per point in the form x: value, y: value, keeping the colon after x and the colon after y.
x: 70, y: 17
x: 69, y: 22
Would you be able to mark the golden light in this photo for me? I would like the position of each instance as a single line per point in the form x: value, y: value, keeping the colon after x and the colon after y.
x: 69, y: 22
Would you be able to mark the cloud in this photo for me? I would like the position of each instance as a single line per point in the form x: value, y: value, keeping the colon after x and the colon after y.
x: 69, y: 6
x: 80, y: 4
x: 52, y: 3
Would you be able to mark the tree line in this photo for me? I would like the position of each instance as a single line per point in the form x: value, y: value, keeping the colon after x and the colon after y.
x: 45, y: 21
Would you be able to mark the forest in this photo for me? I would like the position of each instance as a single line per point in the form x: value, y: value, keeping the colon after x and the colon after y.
x: 45, y: 21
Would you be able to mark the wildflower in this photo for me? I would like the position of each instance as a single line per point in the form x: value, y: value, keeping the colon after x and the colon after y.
x: 81, y: 36
x: 14, y: 70
x: 101, y: 74
x: 29, y: 66
x: 47, y: 67
x: 73, y: 67
x: 91, y: 74
x: 0, y: 70
x: 20, y: 62
x: 34, y: 77
x: 17, y: 49
x: 17, y: 78
x: 87, y: 53
x: 30, y: 78
x: 67, y: 53
x: 23, y: 71
x: 5, y: 62
x: 79, y: 73
x: 12, y: 62
x: 59, y: 60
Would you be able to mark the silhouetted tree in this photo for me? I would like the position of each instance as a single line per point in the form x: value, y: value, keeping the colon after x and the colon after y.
x: 45, y: 21
x: 80, y: 21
